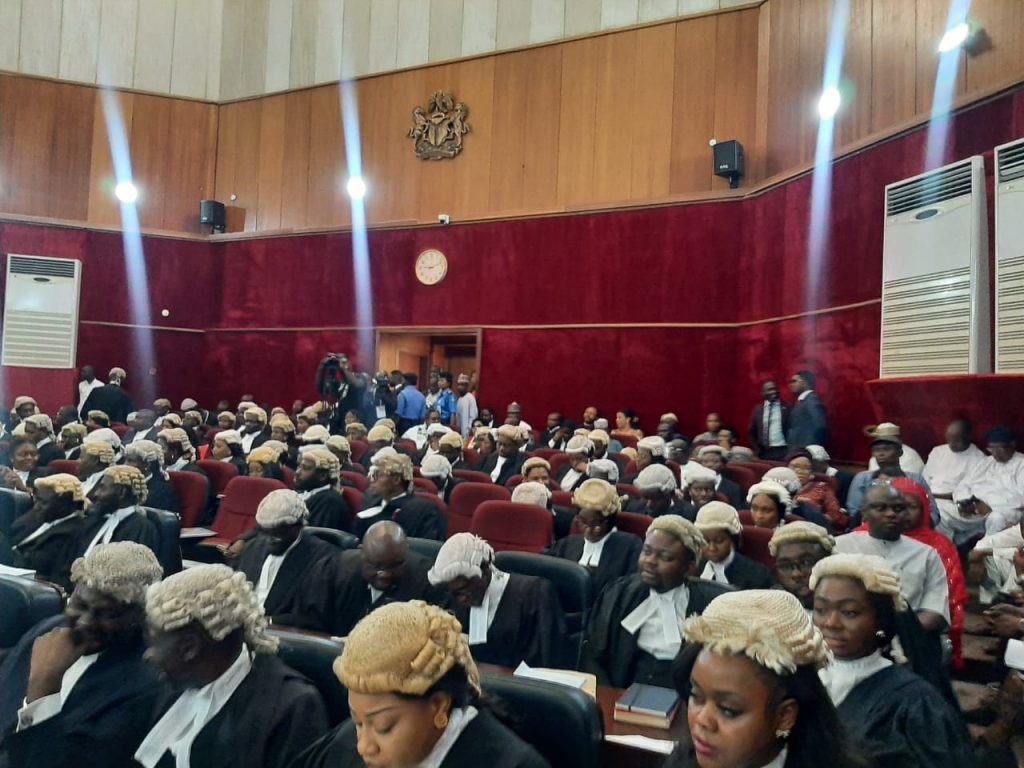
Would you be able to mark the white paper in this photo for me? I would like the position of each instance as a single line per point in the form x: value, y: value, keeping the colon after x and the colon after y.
x: 8, y: 570
x: 644, y: 742
x: 567, y: 678
x: 197, y: 533
x: 1014, y: 657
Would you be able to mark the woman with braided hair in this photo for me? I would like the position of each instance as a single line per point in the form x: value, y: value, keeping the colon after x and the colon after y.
x: 414, y: 693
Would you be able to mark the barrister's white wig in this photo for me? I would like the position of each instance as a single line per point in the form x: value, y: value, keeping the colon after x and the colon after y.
x: 121, y: 569
x: 462, y: 555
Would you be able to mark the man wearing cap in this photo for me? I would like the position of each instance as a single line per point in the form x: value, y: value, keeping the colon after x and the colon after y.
x: 994, y: 489
x: 947, y: 466
x: 75, y: 689
x: 466, y: 409
x: 808, y: 424
x: 86, y: 384
x: 296, y: 574
x: 255, y: 430
x: 769, y: 422
x: 117, y: 515
x: 39, y: 429
x: 110, y: 398
x: 507, y: 460
x: 910, y: 460
x: 235, y: 703
x: 383, y: 570
x: 886, y: 450
x: 144, y: 429
x: 316, y: 480
x: 514, y: 416
x: 412, y: 406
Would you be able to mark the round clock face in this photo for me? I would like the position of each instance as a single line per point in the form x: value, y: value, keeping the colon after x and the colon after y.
x: 431, y: 266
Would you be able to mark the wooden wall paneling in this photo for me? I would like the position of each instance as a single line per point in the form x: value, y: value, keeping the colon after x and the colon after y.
x: 227, y: 161
x: 247, y: 168
x: 68, y: 160
x: 735, y: 101
x: 438, y: 177
x: 757, y: 159
x: 378, y: 128
x: 190, y: 161
x: 295, y: 179
x: 103, y: 208
x: 616, y: 108
x: 693, y: 119
x: 930, y: 24
x: 893, y: 63
x: 815, y: 16
x: 653, y: 83
x: 472, y: 189
x: 1003, y: 22
x: 29, y: 119
x: 327, y: 204
x: 404, y: 169
x: 150, y: 143
x: 539, y: 150
x: 577, y: 121
x: 271, y: 162
x: 783, y: 149
x: 509, y: 143
x: 854, y: 119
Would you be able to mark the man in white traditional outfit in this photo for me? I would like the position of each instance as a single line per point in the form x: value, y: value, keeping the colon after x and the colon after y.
x: 947, y: 466
x: 994, y: 488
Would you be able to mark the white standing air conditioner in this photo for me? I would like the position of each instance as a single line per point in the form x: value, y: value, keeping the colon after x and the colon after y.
x: 1009, y: 184
x: 935, y: 293
x: 41, y: 311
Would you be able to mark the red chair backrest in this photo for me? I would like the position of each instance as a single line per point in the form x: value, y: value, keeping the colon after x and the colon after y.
x: 627, y: 441
x: 545, y: 453
x: 556, y: 461
x: 426, y: 484
x: 744, y: 477
x: 756, y: 466
x: 237, y: 513
x: 513, y: 527
x: 69, y: 466
x: 362, y: 482
x: 220, y: 473
x: 359, y: 449
x: 630, y: 468
x: 513, y: 481
x: 409, y: 445
x: 211, y: 433
x: 193, y: 491
x: 466, y: 497
x: 561, y: 498
x: 437, y: 501
x: 288, y: 474
x: 754, y: 544
x: 635, y: 523
x: 353, y: 497
x: 676, y: 470
x: 472, y: 475
x: 631, y: 490
x: 471, y: 456
x: 120, y: 429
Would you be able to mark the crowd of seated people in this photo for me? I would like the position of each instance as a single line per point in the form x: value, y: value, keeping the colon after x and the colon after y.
x: 833, y: 602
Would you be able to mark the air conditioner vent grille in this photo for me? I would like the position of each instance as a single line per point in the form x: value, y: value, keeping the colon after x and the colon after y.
x: 1010, y: 314
x: 1010, y: 162
x: 947, y: 184
x: 40, y: 328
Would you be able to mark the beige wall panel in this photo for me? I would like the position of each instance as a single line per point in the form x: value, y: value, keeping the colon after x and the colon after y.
x: 39, y: 42
x: 582, y: 17
x: 282, y: 45
x: 154, y: 41
x: 619, y: 13
x: 254, y: 47
x: 330, y: 23
x: 445, y: 30
x: 547, y: 20
x: 79, y: 40
x: 214, y: 38
x: 687, y: 7
x: 191, y: 52
x: 232, y: 49
x: 383, y: 35
x: 513, y: 24
x: 10, y: 23
x: 302, y: 67
x: 355, y: 41
x: 413, y: 32
x: 654, y: 10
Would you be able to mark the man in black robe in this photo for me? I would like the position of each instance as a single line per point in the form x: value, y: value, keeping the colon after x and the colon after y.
x: 39, y: 429
x: 391, y: 497
x: 75, y: 690
x: 315, y: 479
x: 381, y: 571
x: 509, y: 617
x: 143, y: 427
x: 296, y: 575
x: 507, y: 460
x: 147, y: 457
x: 116, y: 513
x: 236, y: 703
x: 110, y: 398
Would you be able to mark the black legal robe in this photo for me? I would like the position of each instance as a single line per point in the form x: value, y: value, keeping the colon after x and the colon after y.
x: 328, y: 509
x: 271, y: 717
x: 103, y: 721
x: 610, y: 652
x: 161, y: 494
x: 618, y: 558
x: 306, y: 590
x: 49, y: 452
x: 136, y: 527
x: 418, y: 518
x: 110, y: 399
x: 484, y: 742
x: 51, y: 553
x: 513, y: 466
x: 529, y: 626
x: 733, y: 493
x: 354, y: 593
x: 896, y: 719
x: 744, y: 573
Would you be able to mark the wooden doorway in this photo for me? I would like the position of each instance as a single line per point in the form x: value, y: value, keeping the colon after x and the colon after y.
x: 417, y: 350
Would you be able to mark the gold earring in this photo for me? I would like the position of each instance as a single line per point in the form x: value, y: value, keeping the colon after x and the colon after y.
x: 441, y: 720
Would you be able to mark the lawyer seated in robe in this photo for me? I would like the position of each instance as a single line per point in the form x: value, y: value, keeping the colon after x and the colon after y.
x: 316, y: 480
x: 414, y: 692
x: 117, y: 514
x: 797, y: 547
x: 235, y: 702
x: 392, y: 497
x: 606, y: 552
x: 75, y: 689
x: 296, y: 575
x: 148, y: 457
x: 438, y: 470
x: 381, y: 571
x: 509, y: 617
x: 633, y: 634
x: 95, y: 459
x: 720, y: 524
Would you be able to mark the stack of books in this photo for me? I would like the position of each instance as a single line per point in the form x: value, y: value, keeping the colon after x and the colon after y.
x: 647, y: 705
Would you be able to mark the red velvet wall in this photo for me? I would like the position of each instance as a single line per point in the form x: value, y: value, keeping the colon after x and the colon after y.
x: 271, y: 307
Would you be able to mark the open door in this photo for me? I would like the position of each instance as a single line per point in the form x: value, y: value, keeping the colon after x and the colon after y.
x: 418, y: 351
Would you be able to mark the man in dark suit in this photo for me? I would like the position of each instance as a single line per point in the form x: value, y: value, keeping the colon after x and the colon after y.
x: 110, y: 398
x: 808, y: 424
x: 391, y: 497
x: 769, y: 422
x: 143, y: 428
x: 507, y: 460
x: 557, y: 434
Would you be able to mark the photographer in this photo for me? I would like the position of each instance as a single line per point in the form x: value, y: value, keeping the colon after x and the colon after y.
x: 385, y: 399
x: 335, y: 379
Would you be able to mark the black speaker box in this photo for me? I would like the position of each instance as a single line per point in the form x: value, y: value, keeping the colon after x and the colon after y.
x: 211, y: 212
x: 728, y: 158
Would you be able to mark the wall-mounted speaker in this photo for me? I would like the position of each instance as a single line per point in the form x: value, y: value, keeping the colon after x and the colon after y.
x: 211, y: 213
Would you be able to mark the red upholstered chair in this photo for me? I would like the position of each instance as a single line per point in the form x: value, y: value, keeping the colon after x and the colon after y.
x: 424, y: 484
x: 353, y: 497
x: 120, y: 429
x: 754, y: 544
x: 744, y: 477
x: 193, y: 491
x: 630, y: 469
x: 545, y: 453
x: 211, y: 433
x: 237, y: 513
x: 68, y: 466
x: 409, y: 445
x: 464, y: 500
x: 471, y: 456
x: 362, y: 482
x: 513, y: 481
x: 472, y: 475
x: 676, y: 469
x: 626, y: 441
x: 288, y: 475
x: 635, y: 523
x: 630, y: 490
x: 756, y: 466
x: 220, y: 473
x: 513, y: 527
x: 556, y: 461
x: 359, y: 449
x: 561, y: 498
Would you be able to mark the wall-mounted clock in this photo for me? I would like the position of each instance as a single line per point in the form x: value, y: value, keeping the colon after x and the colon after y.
x: 431, y: 266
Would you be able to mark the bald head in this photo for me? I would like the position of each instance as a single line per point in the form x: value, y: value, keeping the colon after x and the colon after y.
x: 385, y: 548
x: 386, y: 534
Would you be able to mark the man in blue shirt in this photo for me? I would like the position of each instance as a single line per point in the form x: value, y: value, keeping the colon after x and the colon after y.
x: 446, y: 400
x: 412, y: 406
